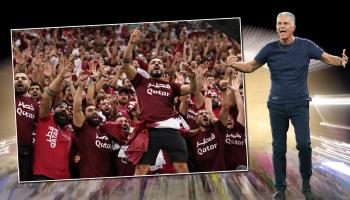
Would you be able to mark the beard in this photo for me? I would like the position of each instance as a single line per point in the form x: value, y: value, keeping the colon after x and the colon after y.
x: 126, y: 128
x: 106, y: 112
x: 93, y: 122
x: 206, y: 124
x: 230, y: 126
x: 19, y: 93
x: 61, y: 119
x: 20, y: 90
x: 123, y: 101
x: 105, y: 86
x: 223, y: 88
x: 215, y: 105
x: 156, y: 74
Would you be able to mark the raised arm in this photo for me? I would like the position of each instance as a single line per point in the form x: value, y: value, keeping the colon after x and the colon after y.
x: 183, y: 105
x: 335, y: 60
x: 198, y: 96
x: 78, y: 115
x: 245, y: 67
x: 91, y: 91
x: 239, y: 102
x: 223, y: 116
x: 129, y: 70
x: 53, y: 89
x: 189, y: 88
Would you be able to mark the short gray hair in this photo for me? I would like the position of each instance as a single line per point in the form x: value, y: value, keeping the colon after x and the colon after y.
x: 289, y: 14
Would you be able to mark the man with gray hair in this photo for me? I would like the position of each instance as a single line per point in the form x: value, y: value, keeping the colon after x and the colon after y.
x: 288, y: 60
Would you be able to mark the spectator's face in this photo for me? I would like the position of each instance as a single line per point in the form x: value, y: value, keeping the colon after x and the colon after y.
x: 156, y: 68
x: 198, y: 58
x: 123, y: 98
x: 211, y: 80
x: 285, y: 27
x: 108, y: 97
x: 125, y: 124
x: 203, y: 118
x: 106, y: 107
x: 223, y: 85
x: 68, y: 95
x: 86, y: 55
x: 110, y: 79
x: 101, y: 94
x: 70, y: 113
x: 61, y: 115
x: 91, y: 116
x: 127, y: 83
x: 41, y: 54
x: 101, y: 61
x: 21, y: 83
x: 230, y: 122
x: 35, y: 92
x: 215, y: 102
x: 135, y: 64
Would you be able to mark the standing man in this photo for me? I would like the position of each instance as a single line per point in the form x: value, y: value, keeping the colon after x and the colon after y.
x: 288, y: 60
x: 156, y: 101
x: 95, y: 147
x: 54, y: 137
x: 208, y: 141
x: 26, y: 117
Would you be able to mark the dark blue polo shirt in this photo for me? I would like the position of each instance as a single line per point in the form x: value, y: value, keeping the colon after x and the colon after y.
x: 288, y: 66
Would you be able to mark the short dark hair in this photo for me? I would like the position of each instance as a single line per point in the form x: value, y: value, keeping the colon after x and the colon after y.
x: 155, y: 57
x: 87, y: 105
x: 58, y: 104
x: 123, y: 89
x: 36, y: 84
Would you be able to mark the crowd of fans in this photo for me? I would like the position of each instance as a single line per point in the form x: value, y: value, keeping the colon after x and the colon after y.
x: 77, y: 110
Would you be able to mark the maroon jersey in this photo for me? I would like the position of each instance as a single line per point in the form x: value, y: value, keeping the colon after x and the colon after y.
x: 122, y: 166
x: 95, y: 150
x: 192, y: 112
x: 52, y: 149
x: 122, y: 110
x: 156, y: 98
x: 26, y: 116
x: 235, y: 147
x: 208, y: 148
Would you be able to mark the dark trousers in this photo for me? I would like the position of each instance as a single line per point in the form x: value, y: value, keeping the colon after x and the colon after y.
x: 280, y: 114
x: 25, y: 162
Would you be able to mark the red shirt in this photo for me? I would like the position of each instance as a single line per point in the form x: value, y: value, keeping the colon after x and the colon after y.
x: 95, y: 150
x: 26, y: 116
x: 208, y: 148
x: 235, y: 147
x: 156, y: 98
x: 52, y: 149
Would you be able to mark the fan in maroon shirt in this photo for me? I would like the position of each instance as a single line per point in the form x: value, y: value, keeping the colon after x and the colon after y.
x: 95, y: 147
x: 35, y: 91
x: 26, y: 117
x: 120, y: 131
x: 207, y: 141
x: 122, y: 101
x: 235, y: 139
x: 190, y: 106
x: 156, y: 101
x: 105, y: 107
x: 54, y: 138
